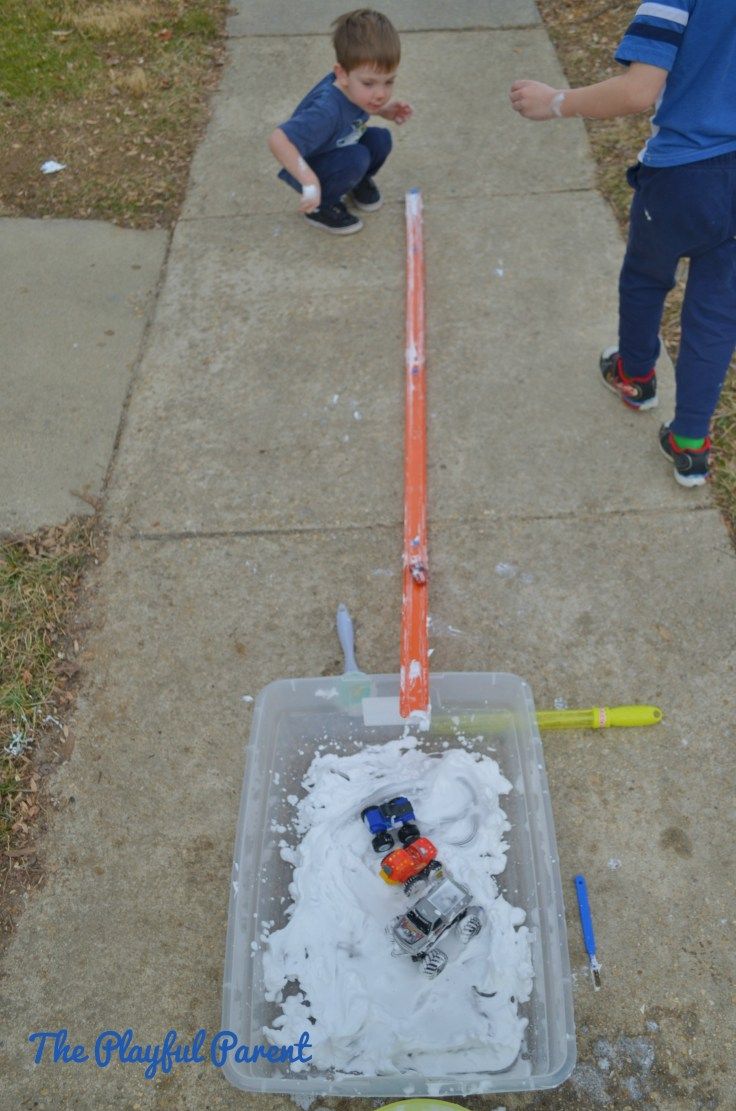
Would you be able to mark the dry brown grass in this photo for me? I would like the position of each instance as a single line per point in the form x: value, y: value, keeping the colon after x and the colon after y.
x: 41, y: 647
x: 111, y: 19
x: 116, y: 91
x: 135, y: 82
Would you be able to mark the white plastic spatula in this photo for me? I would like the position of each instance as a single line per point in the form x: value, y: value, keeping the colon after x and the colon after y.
x: 354, y: 684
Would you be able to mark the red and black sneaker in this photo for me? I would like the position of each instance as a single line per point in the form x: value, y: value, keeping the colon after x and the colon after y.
x: 637, y: 393
x: 691, y: 467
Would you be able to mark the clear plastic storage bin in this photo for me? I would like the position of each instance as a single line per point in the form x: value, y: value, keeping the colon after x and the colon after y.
x: 291, y: 718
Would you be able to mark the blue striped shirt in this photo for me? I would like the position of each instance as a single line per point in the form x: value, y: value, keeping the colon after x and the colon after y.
x: 695, y: 41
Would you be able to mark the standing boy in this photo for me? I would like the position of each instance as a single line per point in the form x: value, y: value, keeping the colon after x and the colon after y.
x: 325, y: 148
x: 681, y: 57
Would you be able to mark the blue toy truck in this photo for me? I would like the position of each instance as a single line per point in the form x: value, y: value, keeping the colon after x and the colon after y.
x: 396, y: 814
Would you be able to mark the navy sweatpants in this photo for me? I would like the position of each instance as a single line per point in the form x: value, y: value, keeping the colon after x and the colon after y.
x: 679, y: 212
x: 340, y: 170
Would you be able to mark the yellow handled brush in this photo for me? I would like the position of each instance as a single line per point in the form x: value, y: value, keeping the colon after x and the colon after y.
x: 595, y: 717
x: 599, y: 717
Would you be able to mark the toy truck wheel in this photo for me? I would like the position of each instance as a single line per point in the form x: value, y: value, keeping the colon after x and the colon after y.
x: 413, y: 882
x: 471, y: 925
x: 409, y: 833
x: 433, y: 963
x: 382, y: 842
x: 433, y: 871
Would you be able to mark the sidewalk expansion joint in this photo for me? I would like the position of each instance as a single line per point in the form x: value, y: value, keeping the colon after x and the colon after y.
x: 246, y: 534
x: 238, y: 36
x: 281, y: 214
x: 433, y: 524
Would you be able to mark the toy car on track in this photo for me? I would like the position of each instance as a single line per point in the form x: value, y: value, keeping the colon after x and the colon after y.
x: 395, y: 814
x: 446, y: 904
x: 411, y: 864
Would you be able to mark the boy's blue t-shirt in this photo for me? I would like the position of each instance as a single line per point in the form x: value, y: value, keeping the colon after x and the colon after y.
x: 324, y: 120
x: 695, y: 41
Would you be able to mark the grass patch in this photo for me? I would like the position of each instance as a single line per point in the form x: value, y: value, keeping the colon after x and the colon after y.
x: 39, y: 580
x: 38, y: 59
x: 105, y: 21
x: 116, y: 91
x: 585, y: 42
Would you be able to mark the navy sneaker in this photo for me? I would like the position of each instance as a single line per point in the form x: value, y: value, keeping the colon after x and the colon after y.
x: 691, y: 467
x: 334, y: 218
x: 366, y: 195
x: 637, y: 393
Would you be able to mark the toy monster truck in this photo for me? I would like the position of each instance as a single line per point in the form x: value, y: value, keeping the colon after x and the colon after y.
x: 411, y: 864
x: 444, y: 905
x: 395, y: 814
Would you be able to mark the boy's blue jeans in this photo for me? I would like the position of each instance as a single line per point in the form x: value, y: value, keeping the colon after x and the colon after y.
x: 678, y: 212
x: 340, y: 170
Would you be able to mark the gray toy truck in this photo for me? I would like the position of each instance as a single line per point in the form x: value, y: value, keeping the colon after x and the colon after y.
x: 445, y: 904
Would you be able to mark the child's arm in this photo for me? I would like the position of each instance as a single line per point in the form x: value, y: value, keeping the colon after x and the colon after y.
x: 397, y: 110
x: 623, y: 95
x: 286, y: 153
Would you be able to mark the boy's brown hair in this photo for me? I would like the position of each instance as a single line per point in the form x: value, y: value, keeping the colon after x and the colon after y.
x: 366, y: 37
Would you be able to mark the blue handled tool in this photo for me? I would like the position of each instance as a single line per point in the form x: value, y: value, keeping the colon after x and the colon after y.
x: 586, y: 921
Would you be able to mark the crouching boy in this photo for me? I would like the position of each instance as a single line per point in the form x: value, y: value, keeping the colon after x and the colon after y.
x: 326, y: 148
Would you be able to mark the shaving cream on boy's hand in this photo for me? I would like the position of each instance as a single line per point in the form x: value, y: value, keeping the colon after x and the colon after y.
x: 555, y: 104
x: 309, y: 192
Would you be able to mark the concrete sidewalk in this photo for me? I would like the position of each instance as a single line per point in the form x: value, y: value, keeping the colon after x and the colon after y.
x: 76, y: 299
x: 258, y: 482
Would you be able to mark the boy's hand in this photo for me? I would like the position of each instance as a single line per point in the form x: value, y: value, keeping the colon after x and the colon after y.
x: 535, y: 101
x: 311, y: 196
x: 397, y: 110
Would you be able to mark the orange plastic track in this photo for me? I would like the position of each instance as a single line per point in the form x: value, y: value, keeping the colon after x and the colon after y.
x: 414, y: 689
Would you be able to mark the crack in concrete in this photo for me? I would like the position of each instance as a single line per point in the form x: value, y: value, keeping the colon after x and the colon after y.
x: 445, y: 522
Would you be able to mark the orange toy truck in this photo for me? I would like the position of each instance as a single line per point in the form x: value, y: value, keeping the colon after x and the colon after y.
x: 411, y: 864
